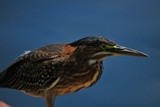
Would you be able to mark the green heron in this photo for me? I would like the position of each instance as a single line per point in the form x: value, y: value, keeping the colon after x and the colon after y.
x: 59, y: 69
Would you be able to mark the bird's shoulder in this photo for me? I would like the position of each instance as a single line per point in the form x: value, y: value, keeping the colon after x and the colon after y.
x: 51, y: 51
x: 54, y: 48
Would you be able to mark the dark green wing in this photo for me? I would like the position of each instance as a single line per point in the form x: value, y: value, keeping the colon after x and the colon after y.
x: 35, y: 70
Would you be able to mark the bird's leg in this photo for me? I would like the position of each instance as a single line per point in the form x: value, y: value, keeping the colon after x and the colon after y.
x: 50, y: 98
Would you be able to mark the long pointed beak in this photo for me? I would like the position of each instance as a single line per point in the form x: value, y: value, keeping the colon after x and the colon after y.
x: 120, y: 50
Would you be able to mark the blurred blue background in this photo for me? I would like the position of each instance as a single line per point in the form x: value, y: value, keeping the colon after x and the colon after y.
x: 126, y: 81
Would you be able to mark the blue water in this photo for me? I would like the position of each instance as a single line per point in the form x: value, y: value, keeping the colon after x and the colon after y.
x: 126, y: 81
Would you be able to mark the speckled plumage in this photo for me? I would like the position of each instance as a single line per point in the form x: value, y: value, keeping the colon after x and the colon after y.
x: 33, y: 71
x: 59, y: 69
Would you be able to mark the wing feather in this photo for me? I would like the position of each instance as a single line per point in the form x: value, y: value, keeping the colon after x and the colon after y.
x: 33, y: 71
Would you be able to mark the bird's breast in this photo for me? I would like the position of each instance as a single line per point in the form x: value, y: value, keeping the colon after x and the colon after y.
x: 72, y: 81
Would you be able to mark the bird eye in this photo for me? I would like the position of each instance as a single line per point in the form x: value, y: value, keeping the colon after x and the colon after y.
x: 103, y: 47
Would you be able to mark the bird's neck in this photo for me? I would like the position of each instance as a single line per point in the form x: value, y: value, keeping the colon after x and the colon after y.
x: 76, y: 57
